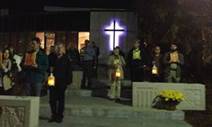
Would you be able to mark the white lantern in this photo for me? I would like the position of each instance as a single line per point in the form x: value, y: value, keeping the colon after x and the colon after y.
x: 154, y: 70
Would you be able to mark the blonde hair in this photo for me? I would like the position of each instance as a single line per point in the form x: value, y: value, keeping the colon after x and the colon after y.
x: 62, y: 46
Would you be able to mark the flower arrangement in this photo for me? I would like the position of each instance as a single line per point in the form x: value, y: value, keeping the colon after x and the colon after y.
x: 168, y: 99
x: 172, y: 95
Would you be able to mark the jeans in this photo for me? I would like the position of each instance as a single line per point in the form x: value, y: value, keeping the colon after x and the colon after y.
x: 88, y: 74
x: 33, y: 89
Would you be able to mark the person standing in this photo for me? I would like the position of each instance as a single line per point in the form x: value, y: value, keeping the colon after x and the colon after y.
x: 96, y: 59
x: 157, y: 65
x: 137, y: 61
x: 88, y: 55
x: 73, y: 56
x: 173, y: 62
x: 61, y: 71
x: 35, y: 65
x: 5, y: 68
x: 115, y: 64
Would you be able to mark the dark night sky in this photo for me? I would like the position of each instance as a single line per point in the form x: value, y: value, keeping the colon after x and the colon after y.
x: 39, y: 4
x: 29, y: 15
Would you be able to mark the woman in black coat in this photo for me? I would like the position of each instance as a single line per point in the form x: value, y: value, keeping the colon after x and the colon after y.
x: 62, y: 74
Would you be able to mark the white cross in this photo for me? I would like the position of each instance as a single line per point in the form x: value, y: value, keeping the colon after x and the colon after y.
x: 114, y: 31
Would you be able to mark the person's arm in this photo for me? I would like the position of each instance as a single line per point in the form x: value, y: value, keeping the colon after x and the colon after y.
x: 166, y: 59
x: 181, y: 58
x: 77, y: 56
x: 109, y: 62
x: 122, y: 61
x: 43, y: 63
x: 129, y: 58
x: 8, y: 67
x: 68, y: 72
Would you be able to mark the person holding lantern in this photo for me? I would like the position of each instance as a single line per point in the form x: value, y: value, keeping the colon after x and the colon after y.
x: 157, y: 65
x: 58, y: 80
x: 116, y: 73
x: 173, y: 61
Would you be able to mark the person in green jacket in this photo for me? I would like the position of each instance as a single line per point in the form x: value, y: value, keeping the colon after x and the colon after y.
x: 35, y: 65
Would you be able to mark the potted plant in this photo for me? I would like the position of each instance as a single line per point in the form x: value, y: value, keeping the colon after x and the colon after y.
x: 168, y: 99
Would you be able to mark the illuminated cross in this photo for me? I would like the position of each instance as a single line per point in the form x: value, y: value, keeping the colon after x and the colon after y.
x: 114, y: 31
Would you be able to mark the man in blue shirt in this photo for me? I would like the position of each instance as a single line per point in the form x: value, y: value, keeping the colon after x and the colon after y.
x: 88, y: 55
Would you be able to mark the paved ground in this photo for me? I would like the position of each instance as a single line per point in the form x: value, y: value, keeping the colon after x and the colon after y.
x: 202, y: 118
x: 117, y: 111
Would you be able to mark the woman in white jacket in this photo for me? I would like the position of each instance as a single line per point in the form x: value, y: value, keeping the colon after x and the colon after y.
x: 115, y: 64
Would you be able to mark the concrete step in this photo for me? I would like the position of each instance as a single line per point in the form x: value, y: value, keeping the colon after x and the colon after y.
x: 111, y: 122
x: 98, y: 107
x: 76, y: 92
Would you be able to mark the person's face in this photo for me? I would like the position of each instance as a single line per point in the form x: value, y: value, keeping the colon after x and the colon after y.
x: 116, y: 51
x: 61, y: 49
x: 35, y: 45
x: 157, y: 49
x: 173, y: 47
x: 6, y: 54
x: 136, y: 45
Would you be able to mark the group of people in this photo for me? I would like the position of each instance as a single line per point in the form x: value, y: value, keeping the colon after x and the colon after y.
x: 28, y: 74
x: 143, y: 65
x: 33, y: 68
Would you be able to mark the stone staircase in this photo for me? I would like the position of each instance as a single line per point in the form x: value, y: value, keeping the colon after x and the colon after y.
x: 82, y: 110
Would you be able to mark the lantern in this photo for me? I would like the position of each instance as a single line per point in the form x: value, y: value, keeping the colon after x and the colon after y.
x: 118, y: 73
x: 154, y: 70
x: 51, y: 80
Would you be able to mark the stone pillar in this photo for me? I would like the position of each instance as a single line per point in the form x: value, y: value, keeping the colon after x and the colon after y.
x: 76, y: 79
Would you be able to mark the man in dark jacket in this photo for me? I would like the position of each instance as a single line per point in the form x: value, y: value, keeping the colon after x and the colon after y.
x: 73, y: 56
x: 62, y: 74
x: 35, y: 65
x: 137, y: 61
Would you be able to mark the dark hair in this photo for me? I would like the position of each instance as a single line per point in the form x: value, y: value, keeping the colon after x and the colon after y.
x: 4, y: 50
x: 173, y: 43
x: 36, y: 39
x: 117, y: 47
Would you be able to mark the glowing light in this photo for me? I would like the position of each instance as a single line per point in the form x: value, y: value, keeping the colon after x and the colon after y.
x: 114, y: 30
x: 51, y: 80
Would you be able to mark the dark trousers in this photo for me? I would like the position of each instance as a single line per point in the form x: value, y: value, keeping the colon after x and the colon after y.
x: 137, y: 71
x: 88, y: 73
x: 156, y: 78
x: 137, y: 74
x: 57, y: 101
x: 33, y: 89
